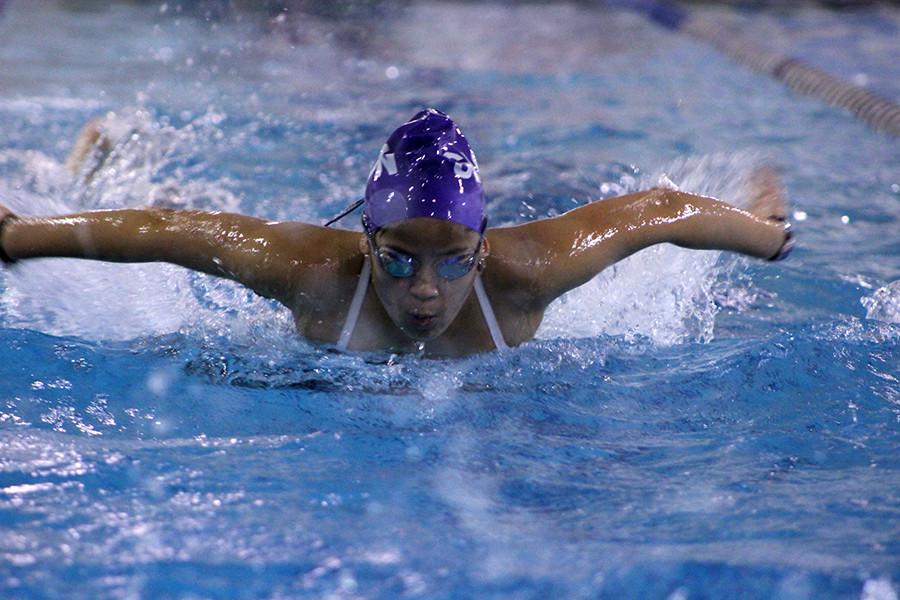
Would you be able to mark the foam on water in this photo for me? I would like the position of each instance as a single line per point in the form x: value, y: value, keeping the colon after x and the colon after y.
x: 664, y: 294
x: 884, y: 303
x: 102, y: 301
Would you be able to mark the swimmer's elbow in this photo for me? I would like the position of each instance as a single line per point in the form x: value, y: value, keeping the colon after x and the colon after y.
x: 656, y: 216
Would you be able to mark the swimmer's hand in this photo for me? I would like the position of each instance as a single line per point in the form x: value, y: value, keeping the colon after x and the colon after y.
x: 6, y: 216
x: 768, y: 200
x: 92, y: 147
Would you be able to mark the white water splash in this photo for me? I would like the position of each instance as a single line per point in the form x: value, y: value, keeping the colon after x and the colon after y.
x: 106, y: 301
x: 884, y: 303
x: 878, y: 589
x: 664, y: 293
x: 131, y: 175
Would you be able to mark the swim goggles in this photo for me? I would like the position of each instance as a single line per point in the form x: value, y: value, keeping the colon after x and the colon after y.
x: 402, y: 266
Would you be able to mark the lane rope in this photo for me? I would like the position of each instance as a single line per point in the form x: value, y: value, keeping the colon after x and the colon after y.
x: 876, y: 111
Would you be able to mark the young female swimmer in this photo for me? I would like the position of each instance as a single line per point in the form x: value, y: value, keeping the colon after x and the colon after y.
x: 426, y: 274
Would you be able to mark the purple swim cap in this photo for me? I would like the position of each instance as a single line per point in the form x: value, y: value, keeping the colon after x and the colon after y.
x: 425, y: 169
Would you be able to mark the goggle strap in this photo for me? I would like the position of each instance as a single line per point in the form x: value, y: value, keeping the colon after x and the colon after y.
x: 350, y: 208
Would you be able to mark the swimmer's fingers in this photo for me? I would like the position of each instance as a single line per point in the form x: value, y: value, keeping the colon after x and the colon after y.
x: 768, y: 197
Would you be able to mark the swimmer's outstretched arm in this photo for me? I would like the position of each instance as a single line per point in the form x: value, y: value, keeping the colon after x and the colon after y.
x: 571, y: 249
x: 264, y: 256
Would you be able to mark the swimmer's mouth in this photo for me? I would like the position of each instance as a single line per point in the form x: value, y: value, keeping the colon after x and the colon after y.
x: 422, y: 320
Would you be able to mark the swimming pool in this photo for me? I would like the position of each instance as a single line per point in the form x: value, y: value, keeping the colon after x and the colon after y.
x: 688, y: 425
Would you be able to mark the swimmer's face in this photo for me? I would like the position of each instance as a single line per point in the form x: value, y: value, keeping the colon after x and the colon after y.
x: 423, y: 270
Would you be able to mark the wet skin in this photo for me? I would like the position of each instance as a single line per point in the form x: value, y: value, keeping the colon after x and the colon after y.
x: 314, y: 270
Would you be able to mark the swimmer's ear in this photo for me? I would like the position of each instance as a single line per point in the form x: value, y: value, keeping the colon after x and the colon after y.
x: 483, y: 253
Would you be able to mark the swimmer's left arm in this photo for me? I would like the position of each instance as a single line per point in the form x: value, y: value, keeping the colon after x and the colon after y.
x: 569, y: 250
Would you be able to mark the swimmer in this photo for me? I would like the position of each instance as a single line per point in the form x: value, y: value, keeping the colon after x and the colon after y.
x: 426, y: 274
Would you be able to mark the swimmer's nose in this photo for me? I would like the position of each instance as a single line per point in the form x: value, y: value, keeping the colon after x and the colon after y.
x: 424, y: 285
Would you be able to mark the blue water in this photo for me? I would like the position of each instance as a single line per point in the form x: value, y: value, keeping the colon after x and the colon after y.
x: 687, y: 425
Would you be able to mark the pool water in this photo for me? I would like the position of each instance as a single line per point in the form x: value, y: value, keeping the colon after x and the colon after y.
x: 687, y: 425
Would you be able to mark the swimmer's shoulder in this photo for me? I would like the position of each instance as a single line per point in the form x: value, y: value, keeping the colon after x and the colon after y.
x: 514, y: 268
x: 324, y: 263
x: 311, y: 244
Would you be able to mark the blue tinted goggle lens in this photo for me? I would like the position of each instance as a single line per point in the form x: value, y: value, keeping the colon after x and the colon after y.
x: 455, y: 267
x: 403, y: 266
x: 397, y: 265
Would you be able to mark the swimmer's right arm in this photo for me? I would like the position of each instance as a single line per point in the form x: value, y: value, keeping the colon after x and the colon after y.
x: 259, y: 254
x: 566, y: 251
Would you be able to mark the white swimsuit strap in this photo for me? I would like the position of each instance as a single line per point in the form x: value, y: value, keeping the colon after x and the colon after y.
x: 488, y: 313
x: 360, y: 294
x: 355, y: 306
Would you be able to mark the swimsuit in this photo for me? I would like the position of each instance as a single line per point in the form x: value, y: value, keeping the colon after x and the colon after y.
x: 359, y: 295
